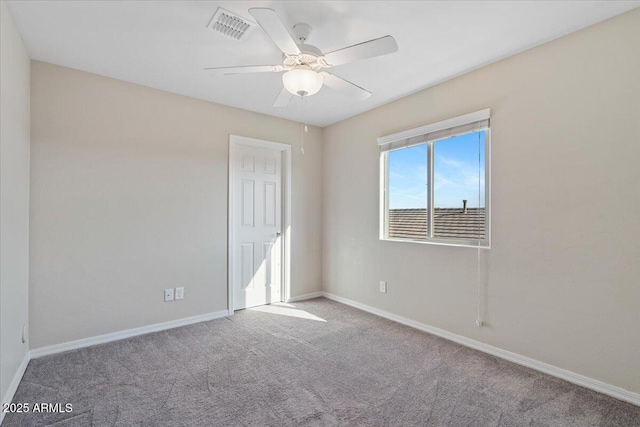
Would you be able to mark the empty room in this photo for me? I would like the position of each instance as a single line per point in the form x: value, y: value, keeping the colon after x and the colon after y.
x: 320, y: 213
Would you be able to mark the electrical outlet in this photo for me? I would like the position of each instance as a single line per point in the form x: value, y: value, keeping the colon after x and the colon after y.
x: 180, y: 293
x: 383, y: 286
x: 168, y: 295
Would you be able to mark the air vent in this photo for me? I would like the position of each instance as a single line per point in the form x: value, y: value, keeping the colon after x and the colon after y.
x: 229, y: 24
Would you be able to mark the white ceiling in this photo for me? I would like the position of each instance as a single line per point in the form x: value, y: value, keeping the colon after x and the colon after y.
x: 165, y: 44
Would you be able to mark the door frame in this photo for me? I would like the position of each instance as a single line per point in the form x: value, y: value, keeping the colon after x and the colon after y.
x: 285, y: 149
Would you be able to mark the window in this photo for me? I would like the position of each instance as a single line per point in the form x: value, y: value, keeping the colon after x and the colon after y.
x: 435, y: 182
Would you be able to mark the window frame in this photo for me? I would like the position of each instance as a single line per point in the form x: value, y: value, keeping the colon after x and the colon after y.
x: 384, y: 180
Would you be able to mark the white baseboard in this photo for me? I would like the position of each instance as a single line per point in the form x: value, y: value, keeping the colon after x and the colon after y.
x: 101, y: 339
x: 305, y: 297
x: 572, y: 377
x: 15, y: 382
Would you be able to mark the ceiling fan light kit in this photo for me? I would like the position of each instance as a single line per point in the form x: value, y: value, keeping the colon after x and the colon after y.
x: 303, y: 63
x: 302, y: 81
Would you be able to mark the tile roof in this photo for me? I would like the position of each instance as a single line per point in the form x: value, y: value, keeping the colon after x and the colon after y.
x: 448, y: 223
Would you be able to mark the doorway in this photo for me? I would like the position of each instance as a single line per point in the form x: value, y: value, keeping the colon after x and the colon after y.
x: 259, y: 215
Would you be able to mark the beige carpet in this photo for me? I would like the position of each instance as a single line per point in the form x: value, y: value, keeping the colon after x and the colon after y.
x: 314, y: 363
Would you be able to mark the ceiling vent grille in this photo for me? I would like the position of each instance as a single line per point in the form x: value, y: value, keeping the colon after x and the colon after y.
x: 229, y: 24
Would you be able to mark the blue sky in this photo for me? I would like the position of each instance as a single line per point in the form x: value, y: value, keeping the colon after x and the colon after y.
x: 456, y: 173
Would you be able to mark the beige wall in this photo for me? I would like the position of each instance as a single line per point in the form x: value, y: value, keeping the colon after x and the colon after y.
x: 562, y: 279
x: 14, y: 198
x: 129, y: 196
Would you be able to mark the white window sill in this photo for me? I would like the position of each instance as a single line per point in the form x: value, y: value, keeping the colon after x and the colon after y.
x: 443, y: 242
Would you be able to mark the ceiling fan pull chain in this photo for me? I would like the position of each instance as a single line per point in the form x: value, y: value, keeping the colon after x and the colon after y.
x: 304, y: 126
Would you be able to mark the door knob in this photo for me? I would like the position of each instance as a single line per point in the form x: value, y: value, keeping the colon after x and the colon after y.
x: 278, y: 233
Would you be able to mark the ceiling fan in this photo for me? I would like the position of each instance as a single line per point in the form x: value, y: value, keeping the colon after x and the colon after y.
x: 303, y: 63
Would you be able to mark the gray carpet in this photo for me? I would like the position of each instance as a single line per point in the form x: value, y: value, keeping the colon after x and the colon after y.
x: 339, y: 367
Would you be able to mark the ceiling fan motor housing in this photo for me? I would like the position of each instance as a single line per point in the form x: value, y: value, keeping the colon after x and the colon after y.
x: 309, y: 56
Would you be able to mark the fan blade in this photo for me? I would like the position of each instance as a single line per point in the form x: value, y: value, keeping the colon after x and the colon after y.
x: 348, y: 88
x: 372, y: 48
x: 245, y: 69
x: 273, y: 26
x: 283, y: 98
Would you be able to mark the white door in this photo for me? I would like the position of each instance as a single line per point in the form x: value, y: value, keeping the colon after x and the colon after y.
x: 257, y: 222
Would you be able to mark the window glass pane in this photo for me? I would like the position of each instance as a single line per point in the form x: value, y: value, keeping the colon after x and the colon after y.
x: 459, y: 172
x: 407, y: 191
